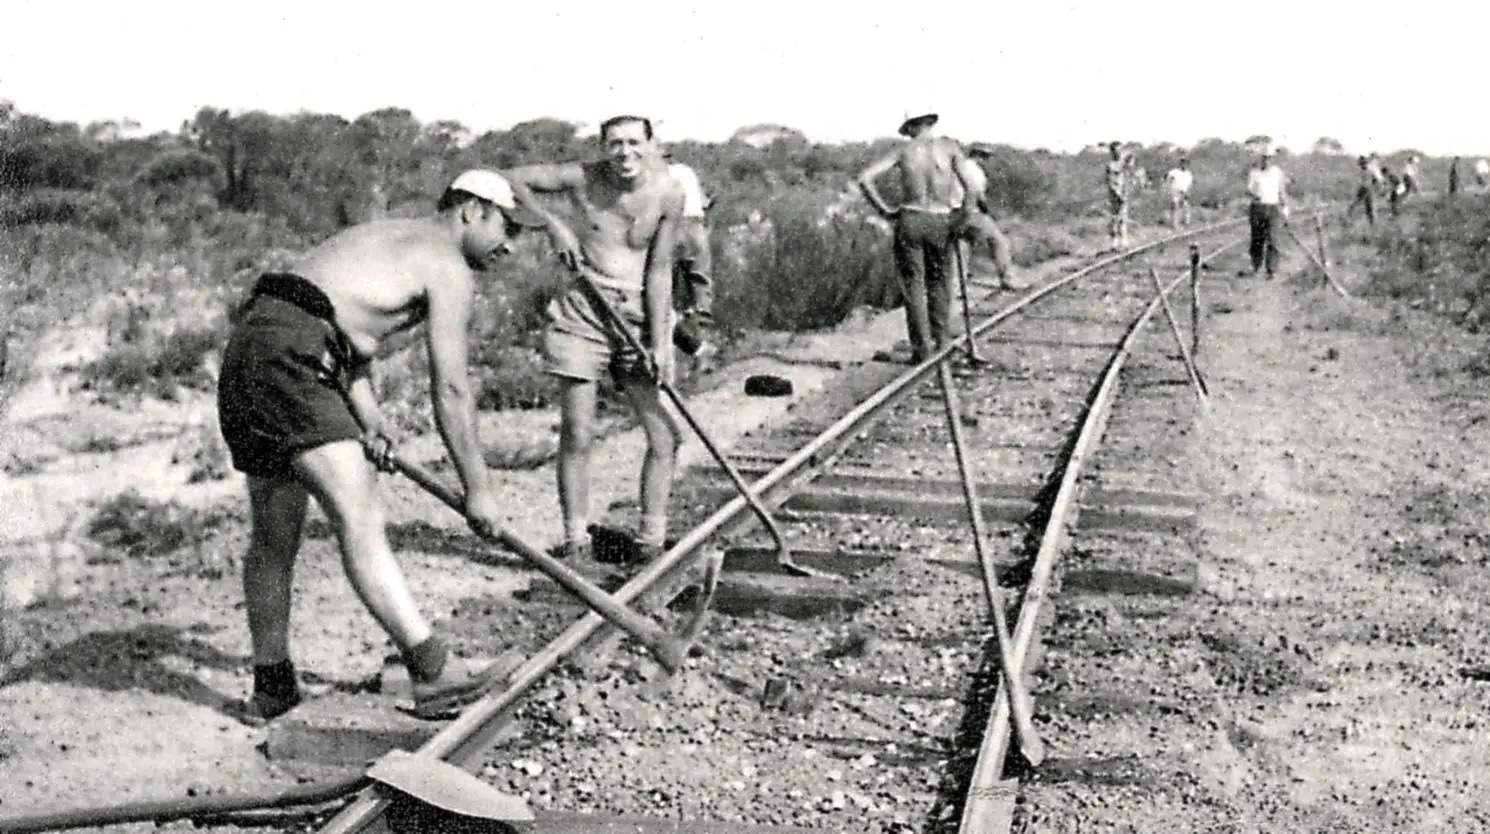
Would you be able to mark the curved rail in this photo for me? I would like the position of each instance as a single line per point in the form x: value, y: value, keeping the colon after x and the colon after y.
x: 470, y: 734
x: 465, y: 738
x: 987, y: 808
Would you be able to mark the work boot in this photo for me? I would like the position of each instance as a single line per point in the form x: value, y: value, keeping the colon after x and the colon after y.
x: 262, y: 707
x: 458, y: 685
x: 571, y: 550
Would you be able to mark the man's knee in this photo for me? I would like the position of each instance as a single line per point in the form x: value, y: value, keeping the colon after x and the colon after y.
x: 343, y: 482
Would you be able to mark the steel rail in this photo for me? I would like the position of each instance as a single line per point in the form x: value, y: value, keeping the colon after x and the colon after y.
x: 986, y: 807
x: 473, y: 731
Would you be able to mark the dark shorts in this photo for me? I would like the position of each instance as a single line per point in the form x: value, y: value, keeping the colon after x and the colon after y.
x: 281, y: 388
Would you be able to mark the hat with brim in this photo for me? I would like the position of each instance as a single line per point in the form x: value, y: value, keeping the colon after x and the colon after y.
x: 495, y: 189
x: 922, y: 120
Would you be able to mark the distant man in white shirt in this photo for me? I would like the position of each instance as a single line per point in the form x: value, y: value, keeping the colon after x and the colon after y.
x: 1267, y: 185
x: 1482, y: 173
x: 1410, y: 176
x: 1177, y: 185
x: 693, y: 268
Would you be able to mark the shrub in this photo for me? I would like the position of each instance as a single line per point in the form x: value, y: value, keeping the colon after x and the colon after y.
x: 157, y: 367
x: 138, y: 527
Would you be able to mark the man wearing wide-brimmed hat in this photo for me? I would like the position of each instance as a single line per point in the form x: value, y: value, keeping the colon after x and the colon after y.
x: 1267, y: 185
x: 939, y: 191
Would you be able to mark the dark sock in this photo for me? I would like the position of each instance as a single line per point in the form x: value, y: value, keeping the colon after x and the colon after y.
x: 276, y: 679
x: 426, y: 661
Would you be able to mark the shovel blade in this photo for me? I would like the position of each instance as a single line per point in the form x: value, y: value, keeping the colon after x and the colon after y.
x: 442, y: 785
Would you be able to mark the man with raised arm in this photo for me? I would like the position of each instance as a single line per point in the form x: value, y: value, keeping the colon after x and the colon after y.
x: 296, y: 409
x: 627, y: 210
x: 939, y: 192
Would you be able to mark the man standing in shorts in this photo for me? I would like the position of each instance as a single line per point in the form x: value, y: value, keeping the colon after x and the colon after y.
x: 939, y: 187
x: 1177, y: 185
x: 629, y: 210
x: 296, y: 408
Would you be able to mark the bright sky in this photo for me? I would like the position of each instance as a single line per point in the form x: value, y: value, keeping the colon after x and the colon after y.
x: 1058, y: 73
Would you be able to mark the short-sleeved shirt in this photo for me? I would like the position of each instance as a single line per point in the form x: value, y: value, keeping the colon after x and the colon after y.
x: 1266, y: 184
x: 693, y: 191
x: 1117, y: 175
x: 1179, y: 180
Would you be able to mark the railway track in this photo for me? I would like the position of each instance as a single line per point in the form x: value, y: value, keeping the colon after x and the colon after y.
x: 869, y: 699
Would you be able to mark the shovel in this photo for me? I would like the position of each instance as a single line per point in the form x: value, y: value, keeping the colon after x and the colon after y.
x: 784, y: 556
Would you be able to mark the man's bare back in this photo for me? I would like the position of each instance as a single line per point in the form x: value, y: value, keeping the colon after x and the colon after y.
x: 378, y: 277
x: 928, y: 177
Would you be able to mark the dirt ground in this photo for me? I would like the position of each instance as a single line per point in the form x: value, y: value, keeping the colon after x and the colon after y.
x: 1312, y: 682
x: 1313, y: 679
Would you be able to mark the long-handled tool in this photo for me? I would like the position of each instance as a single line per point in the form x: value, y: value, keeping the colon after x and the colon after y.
x: 959, y: 263
x: 1201, y: 389
x: 784, y: 554
x: 669, y: 650
x: 1030, y: 745
x: 1317, y: 262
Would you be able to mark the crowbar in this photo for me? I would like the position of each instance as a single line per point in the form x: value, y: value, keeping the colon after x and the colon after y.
x: 583, y: 272
x: 1317, y: 262
x: 669, y: 650
x: 1030, y: 745
x: 960, y: 264
x: 1201, y: 390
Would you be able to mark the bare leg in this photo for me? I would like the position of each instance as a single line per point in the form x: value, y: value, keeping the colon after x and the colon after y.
x: 344, y: 483
x: 277, y: 513
x: 664, y: 436
x: 576, y: 436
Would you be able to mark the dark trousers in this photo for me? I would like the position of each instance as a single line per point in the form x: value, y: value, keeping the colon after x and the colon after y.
x: 923, y: 256
x: 1264, y: 221
x: 1364, y: 197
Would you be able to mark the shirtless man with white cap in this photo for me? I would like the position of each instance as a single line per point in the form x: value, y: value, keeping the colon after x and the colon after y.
x: 296, y: 408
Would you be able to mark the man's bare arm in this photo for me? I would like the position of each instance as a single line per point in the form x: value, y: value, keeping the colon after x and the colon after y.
x: 866, y: 180
x: 544, y: 179
x: 658, y: 281
x: 450, y: 379
x: 563, y: 178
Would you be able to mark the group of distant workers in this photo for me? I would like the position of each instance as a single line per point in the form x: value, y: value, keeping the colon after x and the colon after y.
x: 1267, y: 191
x: 299, y: 416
